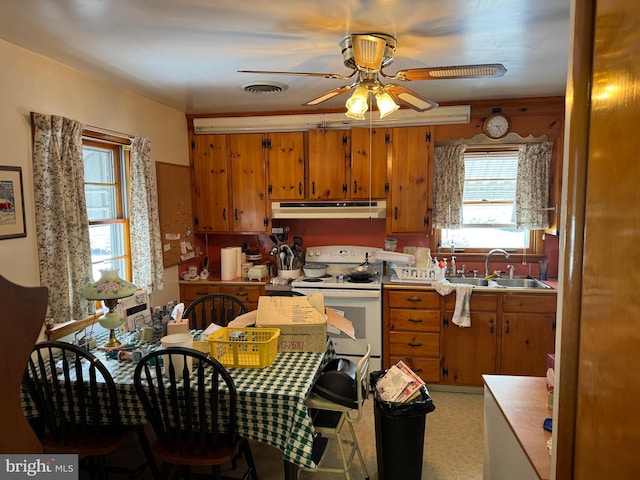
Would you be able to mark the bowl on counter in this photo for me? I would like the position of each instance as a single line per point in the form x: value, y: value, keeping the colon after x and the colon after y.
x: 290, y: 274
x: 315, y: 270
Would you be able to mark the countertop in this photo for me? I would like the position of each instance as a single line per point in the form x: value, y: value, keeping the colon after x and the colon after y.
x: 553, y: 283
x: 523, y: 402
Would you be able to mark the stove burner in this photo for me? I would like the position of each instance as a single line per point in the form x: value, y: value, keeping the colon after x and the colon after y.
x: 360, y: 280
x: 312, y: 279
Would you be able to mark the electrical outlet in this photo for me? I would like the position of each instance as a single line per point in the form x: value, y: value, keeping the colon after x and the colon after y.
x: 409, y: 250
x: 277, y: 229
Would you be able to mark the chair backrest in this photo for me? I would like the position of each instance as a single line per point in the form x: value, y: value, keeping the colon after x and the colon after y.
x: 215, y: 308
x: 190, y: 411
x: 362, y: 381
x: 73, y: 391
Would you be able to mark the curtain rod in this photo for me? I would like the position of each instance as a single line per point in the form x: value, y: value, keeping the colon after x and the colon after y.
x: 481, y: 140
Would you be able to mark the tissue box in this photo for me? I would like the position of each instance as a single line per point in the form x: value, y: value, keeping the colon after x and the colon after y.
x: 178, y: 326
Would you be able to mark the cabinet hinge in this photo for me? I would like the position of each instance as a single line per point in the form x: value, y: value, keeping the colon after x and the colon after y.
x: 386, y: 187
x: 344, y: 140
x: 193, y: 144
x: 428, y: 136
x: 265, y: 221
x: 270, y: 189
x: 445, y: 372
x: 445, y: 321
x: 387, y: 138
x: 196, y: 221
x: 426, y: 221
x: 269, y: 143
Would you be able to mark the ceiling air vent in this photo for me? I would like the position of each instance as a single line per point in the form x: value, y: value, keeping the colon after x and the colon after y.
x: 264, y: 87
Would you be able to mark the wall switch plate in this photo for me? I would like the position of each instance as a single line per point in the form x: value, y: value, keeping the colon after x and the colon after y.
x: 277, y: 229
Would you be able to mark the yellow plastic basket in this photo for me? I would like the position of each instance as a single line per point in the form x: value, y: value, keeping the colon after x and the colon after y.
x: 244, y: 347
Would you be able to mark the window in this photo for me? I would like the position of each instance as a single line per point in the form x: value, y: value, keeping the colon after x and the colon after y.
x: 488, y: 210
x: 105, y: 188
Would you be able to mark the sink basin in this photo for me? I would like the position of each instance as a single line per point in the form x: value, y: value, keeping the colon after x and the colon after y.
x: 520, y: 283
x: 501, y: 282
x: 478, y: 282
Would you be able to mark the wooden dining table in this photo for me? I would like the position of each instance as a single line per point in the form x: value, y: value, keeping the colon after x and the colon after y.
x: 271, y: 401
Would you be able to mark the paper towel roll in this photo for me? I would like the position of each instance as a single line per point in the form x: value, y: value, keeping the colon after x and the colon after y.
x: 238, y: 261
x: 229, y: 263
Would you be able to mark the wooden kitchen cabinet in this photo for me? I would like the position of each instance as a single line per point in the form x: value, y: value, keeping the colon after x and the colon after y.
x: 329, y: 155
x: 411, y: 331
x: 411, y: 180
x: 248, y: 183
x: 370, y: 158
x: 285, y: 165
x: 229, y: 183
x: 210, y: 183
x: 190, y: 292
x: 528, y: 330
x: 247, y: 294
x: 470, y: 352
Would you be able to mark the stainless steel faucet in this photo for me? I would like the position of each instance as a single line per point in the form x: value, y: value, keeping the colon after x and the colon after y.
x: 486, y: 261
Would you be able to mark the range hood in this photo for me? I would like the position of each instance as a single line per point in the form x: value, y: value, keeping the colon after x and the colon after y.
x: 324, y: 209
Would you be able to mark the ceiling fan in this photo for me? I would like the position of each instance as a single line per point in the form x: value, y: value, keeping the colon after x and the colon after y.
x: 367, y: 54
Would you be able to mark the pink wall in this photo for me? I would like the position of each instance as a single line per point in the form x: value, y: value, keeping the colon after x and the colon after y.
x: 355, y: 232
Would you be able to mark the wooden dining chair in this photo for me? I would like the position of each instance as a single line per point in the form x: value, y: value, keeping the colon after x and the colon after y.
x: 330, y: 417
x: 217, y: 308
x: 193, y: 413
x: 75, y: 396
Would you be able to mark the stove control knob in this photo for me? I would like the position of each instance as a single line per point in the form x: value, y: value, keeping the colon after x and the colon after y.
x: 317, y: 252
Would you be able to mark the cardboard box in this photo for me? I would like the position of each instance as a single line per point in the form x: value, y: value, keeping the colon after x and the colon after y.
x: 136, y: 311
x: 302, y: 321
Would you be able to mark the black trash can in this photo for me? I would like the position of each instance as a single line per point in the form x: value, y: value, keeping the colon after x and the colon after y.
x: 400, y: 434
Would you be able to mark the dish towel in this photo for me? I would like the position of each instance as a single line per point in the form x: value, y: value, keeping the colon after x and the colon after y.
x: 461, y: 312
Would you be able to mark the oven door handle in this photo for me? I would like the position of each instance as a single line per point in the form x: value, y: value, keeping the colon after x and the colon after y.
x: 336, y: 293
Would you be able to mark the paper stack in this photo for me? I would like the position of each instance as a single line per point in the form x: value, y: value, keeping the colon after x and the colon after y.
x: 400, y: 384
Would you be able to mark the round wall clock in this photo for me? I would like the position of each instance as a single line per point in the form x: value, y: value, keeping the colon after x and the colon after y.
x: 497, y: 125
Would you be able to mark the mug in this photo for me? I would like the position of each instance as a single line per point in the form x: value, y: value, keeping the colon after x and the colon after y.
x: 145, y: 334
x: 390, y: 244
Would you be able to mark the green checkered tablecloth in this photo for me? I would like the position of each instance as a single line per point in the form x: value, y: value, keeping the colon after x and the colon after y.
x: 271, y: 400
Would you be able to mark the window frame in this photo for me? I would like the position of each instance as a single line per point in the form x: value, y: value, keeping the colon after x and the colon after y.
x: 535, y: 249
x: 120, y: 152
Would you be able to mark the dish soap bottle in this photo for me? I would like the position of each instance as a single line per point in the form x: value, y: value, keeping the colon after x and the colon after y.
x: 453, y: 267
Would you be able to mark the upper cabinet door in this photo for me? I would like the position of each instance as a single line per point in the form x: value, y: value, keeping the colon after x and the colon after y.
x: 411, y: 182
x: 285, y: 165
x: 329, y: 152
x: 210, y: 190
x: 248, y: 182
x: 370, y: 156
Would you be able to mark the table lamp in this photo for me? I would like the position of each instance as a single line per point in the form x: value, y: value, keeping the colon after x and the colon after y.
x: 109, y: 288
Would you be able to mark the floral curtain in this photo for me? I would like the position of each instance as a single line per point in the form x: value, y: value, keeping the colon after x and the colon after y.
x: 448, y: 185
x: 532, y: 188
x: 146, y: 244
x: 64, y: 251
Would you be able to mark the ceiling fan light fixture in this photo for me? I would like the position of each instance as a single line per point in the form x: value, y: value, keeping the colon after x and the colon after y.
x: 386, y: 105
x: 358, y: 103
x: 368, y: 51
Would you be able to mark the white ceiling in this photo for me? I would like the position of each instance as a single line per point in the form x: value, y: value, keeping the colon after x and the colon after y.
x: 186, y: 53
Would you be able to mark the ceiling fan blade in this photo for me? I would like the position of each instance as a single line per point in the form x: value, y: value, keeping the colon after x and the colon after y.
x: 409, y: 98
x: 458, y: 71
x: 329, y: 95
x: 301, y: 74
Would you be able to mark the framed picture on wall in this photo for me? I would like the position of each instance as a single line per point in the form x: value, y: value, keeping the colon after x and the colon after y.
x: 12, y: 223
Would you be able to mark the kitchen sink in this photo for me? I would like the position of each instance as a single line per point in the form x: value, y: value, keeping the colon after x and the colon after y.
x: 478, y: 282
x: 520, y: 283
x: 500, y: 282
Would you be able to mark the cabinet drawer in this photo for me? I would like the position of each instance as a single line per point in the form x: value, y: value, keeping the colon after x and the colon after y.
x: 513, y: 302
x: 414, y: 320
x: 414, y: 344
x: 427, y: 368
x: 408, y: 299
x: 478, y: 301
x: 188, y: 293
x: 246, y: 294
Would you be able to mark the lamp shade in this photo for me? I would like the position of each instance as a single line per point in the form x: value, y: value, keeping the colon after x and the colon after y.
x: 358, y: 103
x: 108, y: 287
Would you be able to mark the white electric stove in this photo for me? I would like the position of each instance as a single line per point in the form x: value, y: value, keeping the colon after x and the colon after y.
x: 359, y: 299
